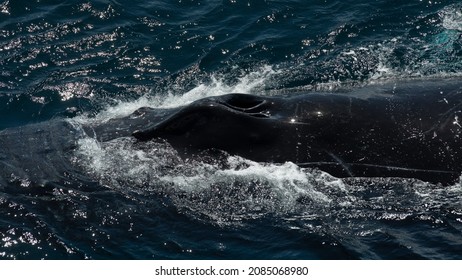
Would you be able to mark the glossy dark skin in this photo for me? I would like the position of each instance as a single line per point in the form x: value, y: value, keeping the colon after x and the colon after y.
x: 409, y: 130
x: 404, y: 129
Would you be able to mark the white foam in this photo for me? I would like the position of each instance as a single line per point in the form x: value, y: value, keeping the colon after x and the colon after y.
x: 117, y: 110
x: 451, y: 17
x: 288, y: 179
x: 117, y: 162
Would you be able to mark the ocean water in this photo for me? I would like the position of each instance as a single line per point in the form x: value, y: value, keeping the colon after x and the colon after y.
x: 69, y: 196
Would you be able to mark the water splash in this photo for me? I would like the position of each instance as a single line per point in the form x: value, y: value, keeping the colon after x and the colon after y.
x: 215, y: 86
x: 451, y: 17
x: 226, y: 188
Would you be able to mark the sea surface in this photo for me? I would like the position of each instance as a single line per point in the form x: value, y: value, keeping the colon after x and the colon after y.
x: 90, y: 61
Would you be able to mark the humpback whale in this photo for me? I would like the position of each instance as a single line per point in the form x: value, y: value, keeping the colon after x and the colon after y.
x: 406, y: 129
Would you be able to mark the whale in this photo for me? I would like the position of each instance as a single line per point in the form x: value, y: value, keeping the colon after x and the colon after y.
x: 401, y: 129
x: 410, y: 129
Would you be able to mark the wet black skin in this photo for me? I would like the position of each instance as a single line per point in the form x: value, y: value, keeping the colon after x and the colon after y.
x: 401, y: 129
x: 395, y: 130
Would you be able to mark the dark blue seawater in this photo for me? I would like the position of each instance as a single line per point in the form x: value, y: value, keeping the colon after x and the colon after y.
x: 88, y: 62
